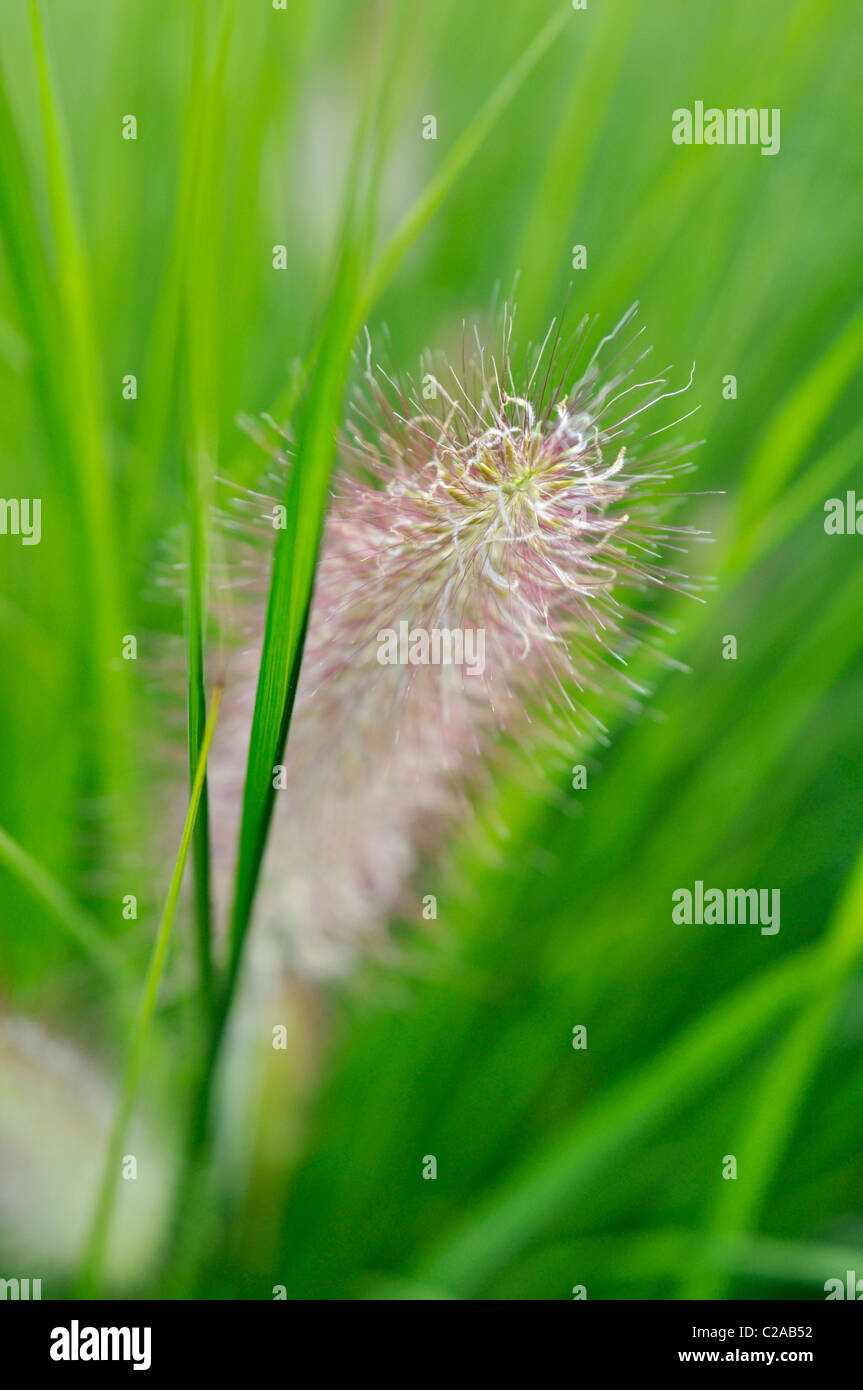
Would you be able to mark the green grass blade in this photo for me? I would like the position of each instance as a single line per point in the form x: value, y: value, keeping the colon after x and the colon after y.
x: 100, y: 1230
x: 78, y: 367
x: 773, y: 1106
x: 796, y: 422
x: 802, y: 499
x: 648, y: 1256
x: 291, y: 587
x: 459, y: 157
x: 593, y: 87
x: 297, y: 544
x: 164, y: 352
x: 290, y: 592
x: 523, y: 1207
x: 433, y: 196
x: 22, y: 242
x: 201, y: 277
x: 82, y: 929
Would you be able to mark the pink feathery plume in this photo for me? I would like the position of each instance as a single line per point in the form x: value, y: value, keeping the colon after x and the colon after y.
x: 485, y: 543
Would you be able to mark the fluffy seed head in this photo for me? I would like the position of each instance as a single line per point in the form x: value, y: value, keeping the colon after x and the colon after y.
x: 499, y: 523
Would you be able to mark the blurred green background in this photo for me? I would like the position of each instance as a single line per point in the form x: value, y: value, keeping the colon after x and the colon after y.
x: 154, y: 257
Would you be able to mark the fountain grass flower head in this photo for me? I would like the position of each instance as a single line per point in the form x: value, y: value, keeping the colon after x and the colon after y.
x: 492, y: 535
